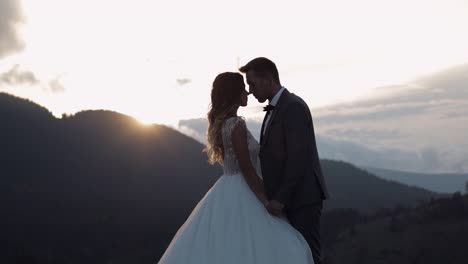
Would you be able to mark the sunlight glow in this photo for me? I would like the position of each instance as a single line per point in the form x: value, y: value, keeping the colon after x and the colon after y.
x: 128, y: 55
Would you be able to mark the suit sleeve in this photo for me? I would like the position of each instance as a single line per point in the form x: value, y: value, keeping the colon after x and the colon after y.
x: 295, y: 131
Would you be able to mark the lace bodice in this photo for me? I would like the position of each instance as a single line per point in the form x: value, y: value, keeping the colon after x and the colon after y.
x: 231, y: 163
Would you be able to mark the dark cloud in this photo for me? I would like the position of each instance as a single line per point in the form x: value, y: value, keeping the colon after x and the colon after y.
x: 445, y: 92
x: 10, y: 17
x: 16, y: 76
x: 417, y: 126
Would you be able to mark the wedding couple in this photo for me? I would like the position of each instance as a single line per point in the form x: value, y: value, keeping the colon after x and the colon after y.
x: 266, y: 206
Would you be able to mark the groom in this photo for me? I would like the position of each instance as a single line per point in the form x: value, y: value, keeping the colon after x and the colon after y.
x: 290, y: 164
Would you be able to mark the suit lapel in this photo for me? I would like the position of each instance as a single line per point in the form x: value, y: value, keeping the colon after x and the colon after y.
x: 261, y: 130
x: 278, y: 106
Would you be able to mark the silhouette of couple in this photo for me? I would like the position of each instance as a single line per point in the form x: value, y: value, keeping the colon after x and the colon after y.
x: 266, y: 206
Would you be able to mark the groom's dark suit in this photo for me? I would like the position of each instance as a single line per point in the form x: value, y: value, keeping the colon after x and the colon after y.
x: 291, y: 167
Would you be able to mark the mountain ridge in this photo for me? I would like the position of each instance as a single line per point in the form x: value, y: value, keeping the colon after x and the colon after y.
x: 437, y: 182
x: 100, y: 182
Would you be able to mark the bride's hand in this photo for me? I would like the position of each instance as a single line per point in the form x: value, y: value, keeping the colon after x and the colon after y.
x: 262, y: 197
x: 275, y: 208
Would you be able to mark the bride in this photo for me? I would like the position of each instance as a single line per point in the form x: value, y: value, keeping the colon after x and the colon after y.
x: 231, y: 224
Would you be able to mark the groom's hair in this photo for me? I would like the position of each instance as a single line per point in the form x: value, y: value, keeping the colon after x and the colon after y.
x: 263, y: 67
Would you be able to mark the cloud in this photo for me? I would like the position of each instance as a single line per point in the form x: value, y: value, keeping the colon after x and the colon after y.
x: 445, y: 91
x: 370, y: 112
x: 195, y: 128
x: 183, y: 81
x: 462, y: 113
x: 56, y: 86
x: 426, y: 118
x: 10, y: 18
x: 430, y: 158
x: 363, y: 134
x: 365, y: 148
x: 426, y: 160
x: 430, y: 109
x: 453, y: 81
x: 365, y: 156
x: 17, y: 76
x: 419, y: 126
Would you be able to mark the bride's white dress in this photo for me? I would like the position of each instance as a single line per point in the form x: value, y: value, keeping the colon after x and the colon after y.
x: 230, y: 225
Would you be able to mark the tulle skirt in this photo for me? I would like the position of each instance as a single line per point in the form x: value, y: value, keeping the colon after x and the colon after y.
x: 230, y: 225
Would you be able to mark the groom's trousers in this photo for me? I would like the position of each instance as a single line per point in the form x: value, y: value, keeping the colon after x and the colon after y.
x: 306, y: 220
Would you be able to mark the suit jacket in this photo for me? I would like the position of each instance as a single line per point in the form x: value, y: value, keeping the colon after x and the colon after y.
x: 288, y: 153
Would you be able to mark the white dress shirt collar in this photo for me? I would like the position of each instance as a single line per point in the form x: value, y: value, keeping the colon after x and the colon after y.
x: 277, y: 96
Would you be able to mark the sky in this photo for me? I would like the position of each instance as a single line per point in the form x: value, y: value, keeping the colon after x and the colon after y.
x: 156, y: 60
x: 419, y: 126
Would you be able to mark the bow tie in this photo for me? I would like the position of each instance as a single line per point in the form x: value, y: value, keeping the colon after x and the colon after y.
x: 269, y: 108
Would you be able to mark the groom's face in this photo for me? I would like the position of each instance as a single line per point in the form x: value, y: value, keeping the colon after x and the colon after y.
x: 257, y: 86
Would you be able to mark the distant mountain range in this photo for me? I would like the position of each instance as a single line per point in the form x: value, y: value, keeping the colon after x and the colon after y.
x: 360, y: 156
x: 99, y: 187
x: 441, y: 183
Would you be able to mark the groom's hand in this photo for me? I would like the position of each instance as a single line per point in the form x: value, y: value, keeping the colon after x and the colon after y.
x: 275, y: 207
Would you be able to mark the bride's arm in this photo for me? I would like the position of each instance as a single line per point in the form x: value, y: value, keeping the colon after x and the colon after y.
x: 240, y: 146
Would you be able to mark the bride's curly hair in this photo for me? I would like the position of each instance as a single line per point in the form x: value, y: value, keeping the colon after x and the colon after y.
x: 225, y: 100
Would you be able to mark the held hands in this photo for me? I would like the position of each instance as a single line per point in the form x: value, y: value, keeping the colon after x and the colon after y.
x: 275, y: 208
